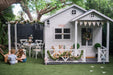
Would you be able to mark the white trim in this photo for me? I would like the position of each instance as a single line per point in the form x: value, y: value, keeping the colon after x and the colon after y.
x: 74, y: 5
x: 90, y: 11
x: 76, y: 22
x: 107, y: 40
x: 9, y: 37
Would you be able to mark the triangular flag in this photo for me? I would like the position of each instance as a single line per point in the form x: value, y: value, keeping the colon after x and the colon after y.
x: 89, y: 23
x: 102, y: 23
x: 85, y: 23
x: 81, y: 23
x: 93, y: 23
x: 98, y: 23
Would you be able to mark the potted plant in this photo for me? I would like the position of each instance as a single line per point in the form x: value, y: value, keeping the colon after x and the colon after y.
x: 96, y: 46
x: 78, y: 46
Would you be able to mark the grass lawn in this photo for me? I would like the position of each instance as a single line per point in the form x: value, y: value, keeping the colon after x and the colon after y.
x: 36, y: 67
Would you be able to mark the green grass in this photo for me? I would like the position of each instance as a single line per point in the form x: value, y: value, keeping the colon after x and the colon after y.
x: 36, y: 67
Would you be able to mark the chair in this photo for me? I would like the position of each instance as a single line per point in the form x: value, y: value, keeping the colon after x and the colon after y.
x: 19, y: 47
x: 23, y: 41
x: 38, y: 48
x: 36, y: 51
x: 22, y: 46
x: 38, y: 41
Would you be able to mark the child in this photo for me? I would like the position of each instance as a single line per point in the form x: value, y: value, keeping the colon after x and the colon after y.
x: 21, y: 55
x: 11, y: 57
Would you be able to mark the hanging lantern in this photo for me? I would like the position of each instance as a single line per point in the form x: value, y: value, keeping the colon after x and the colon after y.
x: 89, y: 23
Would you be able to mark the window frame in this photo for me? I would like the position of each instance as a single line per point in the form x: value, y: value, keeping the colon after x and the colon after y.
x: 62, y: 34
x: 73, y: 11
x: 87, y: 44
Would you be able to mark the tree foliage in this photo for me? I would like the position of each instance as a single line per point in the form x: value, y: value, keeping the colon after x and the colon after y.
x: 42, y: 6
x: 5, y: 16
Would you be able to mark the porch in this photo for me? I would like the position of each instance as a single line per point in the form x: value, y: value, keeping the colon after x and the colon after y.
x: 102, y: 52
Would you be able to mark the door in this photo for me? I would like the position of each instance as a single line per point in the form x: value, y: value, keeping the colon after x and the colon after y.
x: 87, y: 41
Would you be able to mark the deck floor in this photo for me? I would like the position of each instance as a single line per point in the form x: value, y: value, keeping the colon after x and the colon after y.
x: 88, y: 61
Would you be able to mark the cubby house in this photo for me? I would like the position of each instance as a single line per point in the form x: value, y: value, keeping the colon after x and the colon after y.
x: 71, y: 27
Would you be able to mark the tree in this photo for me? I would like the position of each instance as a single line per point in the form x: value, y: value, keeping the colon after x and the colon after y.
x: 24, y: 5
x: 42, y: 6
x: 5, y: 16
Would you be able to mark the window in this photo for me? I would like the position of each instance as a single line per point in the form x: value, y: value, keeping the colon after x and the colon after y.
x: 87, y: 39
x: 92, y: 14
x: 48, y: 22
x: 62, y: 33
x: 73, y: 11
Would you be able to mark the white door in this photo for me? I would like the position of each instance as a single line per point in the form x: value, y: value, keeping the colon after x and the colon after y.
x: 87, y: 41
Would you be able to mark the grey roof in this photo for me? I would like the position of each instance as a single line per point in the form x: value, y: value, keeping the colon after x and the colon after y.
x: 90, y: 11
x: 74, y: 5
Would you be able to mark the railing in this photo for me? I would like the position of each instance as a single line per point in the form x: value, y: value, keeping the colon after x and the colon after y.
x: 65, y: 59
x: 102, y: 54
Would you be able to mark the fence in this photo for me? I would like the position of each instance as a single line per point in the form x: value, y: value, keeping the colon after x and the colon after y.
x: 25, y: 30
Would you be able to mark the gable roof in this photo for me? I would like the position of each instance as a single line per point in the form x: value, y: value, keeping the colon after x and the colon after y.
x: 90, y: 11
x: 74, y: 5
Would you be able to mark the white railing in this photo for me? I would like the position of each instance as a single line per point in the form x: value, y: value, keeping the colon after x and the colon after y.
x: 102, y: 54
x: 65, y: 59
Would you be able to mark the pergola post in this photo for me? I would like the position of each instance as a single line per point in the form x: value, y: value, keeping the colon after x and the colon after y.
x: 16, y: 36
x: 76, y: 29
x: 107, y: 41
x: 9, y: 37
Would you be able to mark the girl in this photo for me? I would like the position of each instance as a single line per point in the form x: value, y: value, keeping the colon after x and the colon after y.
x: 21, y: 55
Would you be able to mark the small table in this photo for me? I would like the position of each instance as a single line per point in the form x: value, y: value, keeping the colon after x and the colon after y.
x: 29, y: 46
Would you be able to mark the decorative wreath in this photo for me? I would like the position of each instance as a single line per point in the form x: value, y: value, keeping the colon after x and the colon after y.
x: 87, y: 36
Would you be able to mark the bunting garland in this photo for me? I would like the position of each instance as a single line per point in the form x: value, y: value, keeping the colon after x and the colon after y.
x: 98, y: 23
x: 81, y: 23
x: 89, y: 23
x: 94, y: 23
x: 85, y: 23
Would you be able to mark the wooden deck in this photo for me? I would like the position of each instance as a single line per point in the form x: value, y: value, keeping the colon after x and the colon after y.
x: 88, y: 61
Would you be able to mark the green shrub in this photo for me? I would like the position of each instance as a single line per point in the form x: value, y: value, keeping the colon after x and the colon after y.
x: 97, y: 45
x: 78, y: 46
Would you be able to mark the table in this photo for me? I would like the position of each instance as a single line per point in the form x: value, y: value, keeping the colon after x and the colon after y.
x: 29, y: 47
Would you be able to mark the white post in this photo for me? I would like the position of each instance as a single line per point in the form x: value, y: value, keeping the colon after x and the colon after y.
x: 16, y: 36
x: 76, y: 34
x: 9, y: 37
x: 99, y: 52
x: 107, y: 41
x: 84, y: 56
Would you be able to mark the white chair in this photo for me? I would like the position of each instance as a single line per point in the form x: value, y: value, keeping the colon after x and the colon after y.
x: 36, y: 51
x: 38, y: 41
x: 23, y: 41
x: 19, y: 47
